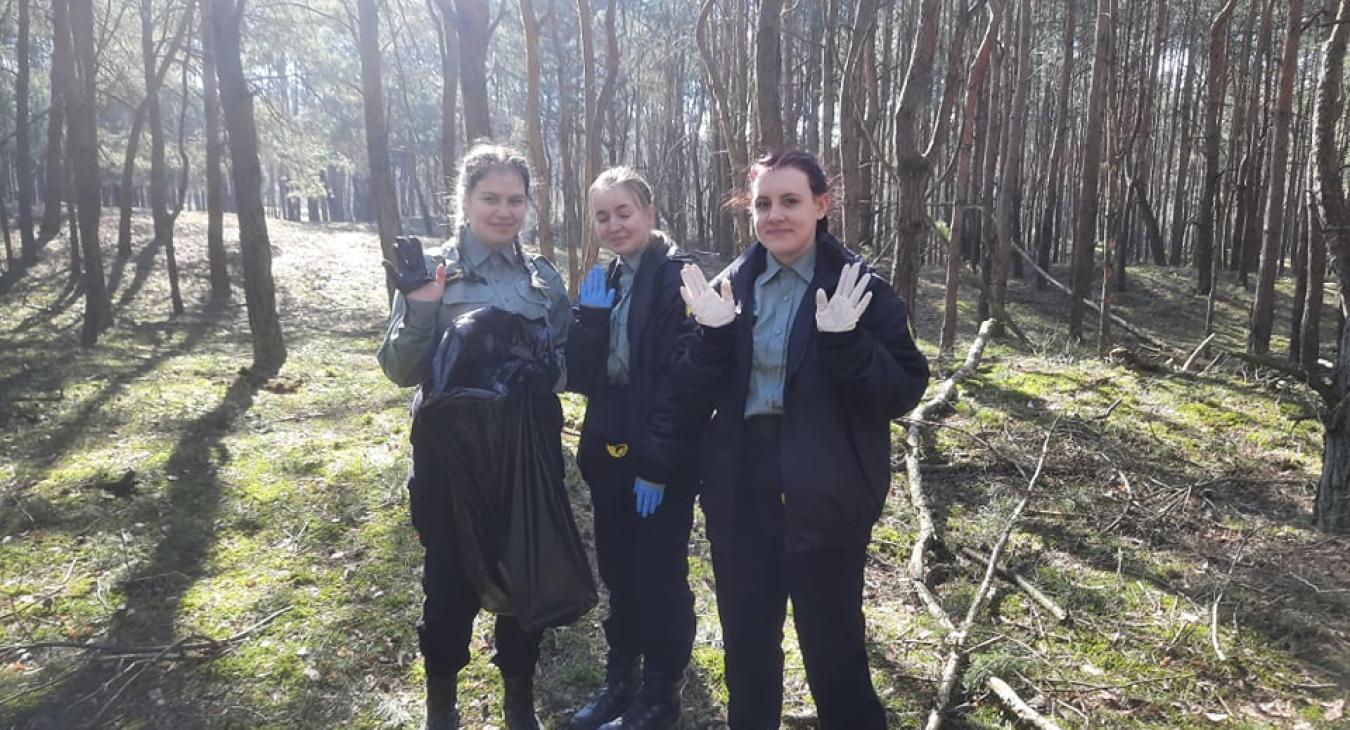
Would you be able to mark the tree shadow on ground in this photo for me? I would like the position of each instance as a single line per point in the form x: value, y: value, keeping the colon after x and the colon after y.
x: 188, y: 510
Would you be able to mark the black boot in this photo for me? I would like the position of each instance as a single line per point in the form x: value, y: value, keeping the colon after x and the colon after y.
x: 657, y: 706
x: 613, y: 697
x: 518, y: 703
x: 441, y: 711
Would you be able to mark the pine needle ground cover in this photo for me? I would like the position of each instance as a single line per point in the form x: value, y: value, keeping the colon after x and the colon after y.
x: 184, y: 544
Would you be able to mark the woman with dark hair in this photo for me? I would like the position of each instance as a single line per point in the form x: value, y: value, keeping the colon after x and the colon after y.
x: 635, y: 454
x: 802, y: 356
x: 482, y: 266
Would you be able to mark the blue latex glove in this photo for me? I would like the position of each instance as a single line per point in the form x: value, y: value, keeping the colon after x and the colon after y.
x: 592, y: 292
x: 648, y: 496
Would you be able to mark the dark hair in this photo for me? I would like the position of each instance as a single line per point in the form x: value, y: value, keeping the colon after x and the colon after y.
x: 797, y: 159
x: 481, y: 159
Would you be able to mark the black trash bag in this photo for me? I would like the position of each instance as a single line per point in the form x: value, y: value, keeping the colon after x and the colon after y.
x: 493, y: 426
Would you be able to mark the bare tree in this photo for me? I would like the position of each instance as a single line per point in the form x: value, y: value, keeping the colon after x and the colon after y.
x: 377, y: 136
x: 1263, y: 305
x: 768, y: 74
x: 82, y: 111
x: 215, y: 214
x: 23, y: 154
x: 1085, y: 233
x: 534, y: 125
x: 236, y: 101
x: 1215, y: 80
x: 472, y: 22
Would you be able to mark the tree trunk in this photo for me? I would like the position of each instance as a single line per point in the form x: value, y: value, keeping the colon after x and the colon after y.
x: 534, y: 124
x: 236, y: 101
x: 1056, y: 181
x: 82, y: 113
x: 979, y: 68
x: 567, y: 150
x: 377, y: 140
x: 158, y: 171
x: 449, y: 49
x: 768, y: 75
x: 1263, y: 306
x: 852, y: 127
x: 1177, y: 237
x: 23, y: 155
x: 1215, y: 79
x: 471, y: 18
x: 915, y: 166
x: 215, y: 216
x: 1012, y: 168
x: 1310, y: 340
x: 829, y: 60
x: 1085, y: 233
x: 733, y: 134
x: 1331, y: 509
x: 54, y: 185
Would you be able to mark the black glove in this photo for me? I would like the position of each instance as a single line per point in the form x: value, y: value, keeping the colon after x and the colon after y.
x: 408, y: 271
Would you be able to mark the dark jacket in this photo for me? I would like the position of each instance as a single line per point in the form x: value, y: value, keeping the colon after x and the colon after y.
x: 642, y: 415
x: 841, y: 392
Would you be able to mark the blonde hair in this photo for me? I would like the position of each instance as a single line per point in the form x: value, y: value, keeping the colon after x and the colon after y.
x: 481, y: 159
x: 629, y: 179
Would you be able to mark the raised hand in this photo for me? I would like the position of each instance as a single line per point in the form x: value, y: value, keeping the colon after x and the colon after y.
x: 430, y: 292
x: 592, y: 292
x: 841, y: 312
x: 708, y: 307
x: 408, y: 270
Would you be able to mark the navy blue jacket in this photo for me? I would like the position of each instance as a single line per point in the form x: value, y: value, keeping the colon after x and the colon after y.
x: 841, y: 392
x: 639, y: 420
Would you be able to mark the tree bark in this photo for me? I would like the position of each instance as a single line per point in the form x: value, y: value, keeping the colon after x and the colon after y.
x: 1085, y: 233
x: 1177, y: 237
x: 534, y: 122
x: 377, y: 136
x: 1331, y: 509
x: 158, y: 168
x: 1012, y: 168
x: 215, y: 216
x: 236, y: 101
x: 1055, y: 181
x: 449, y: 49
x: 23, y: 154
x: 55, y: 183
x: 979, y: 68
x: 768, y: 75
x: 1215, y: 80
x: 82, y: 113
x: 471, y: 19
x: 733, y: 134
x: 1263, y: 306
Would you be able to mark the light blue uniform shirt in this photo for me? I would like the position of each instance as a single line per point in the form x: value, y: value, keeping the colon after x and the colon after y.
x: 476, y: 276
x: 619, y: 347
x: 778, y: 295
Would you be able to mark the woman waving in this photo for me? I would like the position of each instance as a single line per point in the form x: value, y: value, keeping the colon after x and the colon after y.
x: 804, y: 356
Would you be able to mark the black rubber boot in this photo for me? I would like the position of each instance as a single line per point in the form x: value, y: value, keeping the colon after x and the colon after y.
x: 518, y: 703
x: 657, y: 706
x: 614, y: 696
x: 441, y: 710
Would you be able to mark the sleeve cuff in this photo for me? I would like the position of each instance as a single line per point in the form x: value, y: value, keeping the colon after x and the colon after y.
x: 593, y: 317
x: 420, y: 315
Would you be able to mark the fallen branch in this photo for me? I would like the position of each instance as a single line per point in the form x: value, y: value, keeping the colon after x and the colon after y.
x: 1196, y: 353
x: 946, y: 392
x: 1027, y: 587
x: 1015, y: 705
x: 957, y: 655
x: 206, y: 646
x: 1143, y: 336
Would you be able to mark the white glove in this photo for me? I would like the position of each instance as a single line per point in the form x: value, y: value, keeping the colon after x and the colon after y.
x: 709, y: 308
x: 842, y: 311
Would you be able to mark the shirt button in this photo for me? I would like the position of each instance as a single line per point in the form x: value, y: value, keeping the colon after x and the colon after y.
x: 778, y: 332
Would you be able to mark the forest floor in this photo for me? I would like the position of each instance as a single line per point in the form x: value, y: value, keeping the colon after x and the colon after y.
x: 224, y: 550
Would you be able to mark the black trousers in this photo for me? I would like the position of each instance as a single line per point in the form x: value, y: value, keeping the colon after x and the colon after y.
x: 451, y: 603
x: 756, y: 576
x: 644, y: 562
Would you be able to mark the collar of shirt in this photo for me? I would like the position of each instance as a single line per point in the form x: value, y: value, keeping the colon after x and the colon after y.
x: 481, y: 256
x: 804, y: 267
